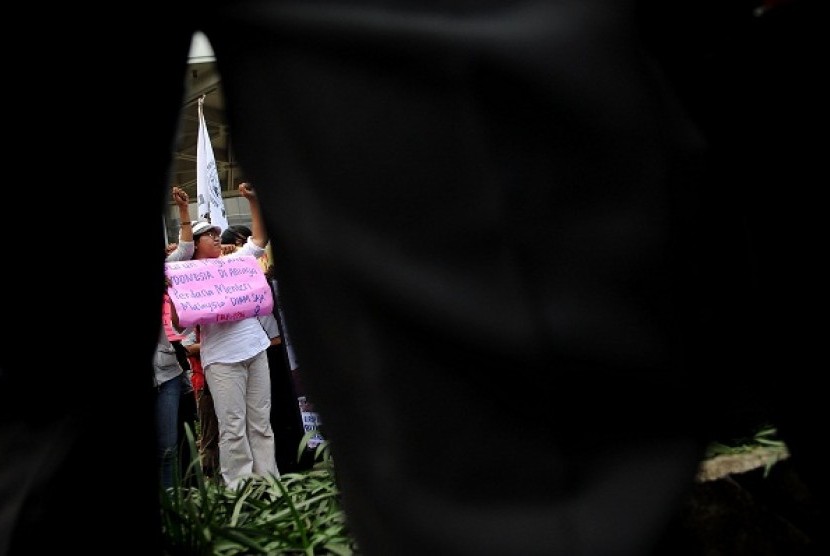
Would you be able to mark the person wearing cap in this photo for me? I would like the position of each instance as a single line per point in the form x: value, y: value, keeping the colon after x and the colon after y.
x: 202, y: 227
x: 233, y: 356
x: 232, y: 238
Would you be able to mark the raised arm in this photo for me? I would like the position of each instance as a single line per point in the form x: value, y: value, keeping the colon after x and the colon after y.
x: 259, y: 234
x: 183, y: 250
x: 181, y: 199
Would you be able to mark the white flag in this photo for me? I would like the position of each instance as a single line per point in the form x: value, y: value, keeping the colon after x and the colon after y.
x: 210, y: 204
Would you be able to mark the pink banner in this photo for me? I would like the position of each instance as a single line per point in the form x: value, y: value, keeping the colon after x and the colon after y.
x: 226, y: 289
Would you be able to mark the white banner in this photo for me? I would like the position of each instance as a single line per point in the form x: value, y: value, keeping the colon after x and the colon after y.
x: 210, y: 204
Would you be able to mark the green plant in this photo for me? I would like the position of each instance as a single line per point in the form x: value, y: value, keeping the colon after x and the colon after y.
x: 763, y: 438
x: 296, y: 513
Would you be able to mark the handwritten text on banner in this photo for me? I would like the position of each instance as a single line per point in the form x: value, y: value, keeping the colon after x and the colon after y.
x: 226, y: 289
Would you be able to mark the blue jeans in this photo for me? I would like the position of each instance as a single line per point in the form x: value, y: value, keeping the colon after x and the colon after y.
x: 167, y: 428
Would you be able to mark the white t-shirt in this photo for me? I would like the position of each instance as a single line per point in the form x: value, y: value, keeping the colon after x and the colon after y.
x: 234, y: 341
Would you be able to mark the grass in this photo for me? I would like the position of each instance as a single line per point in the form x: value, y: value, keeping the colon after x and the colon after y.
x: 765, y: 436
x: 296, y: 513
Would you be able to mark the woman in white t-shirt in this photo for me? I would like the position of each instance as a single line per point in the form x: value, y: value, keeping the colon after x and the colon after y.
x: 236, y: 367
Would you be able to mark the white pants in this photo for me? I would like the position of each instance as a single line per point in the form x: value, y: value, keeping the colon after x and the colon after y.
x: 242, y: 399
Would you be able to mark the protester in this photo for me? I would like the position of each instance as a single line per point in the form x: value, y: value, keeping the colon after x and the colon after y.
x: 168, y: 383
x: 208, y: 438
x: 168, y: 378
x: 232, y: 238
x: 475, y: 203
x: 235, y: 235
x: 286, y: 417
x: 233, y: 356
